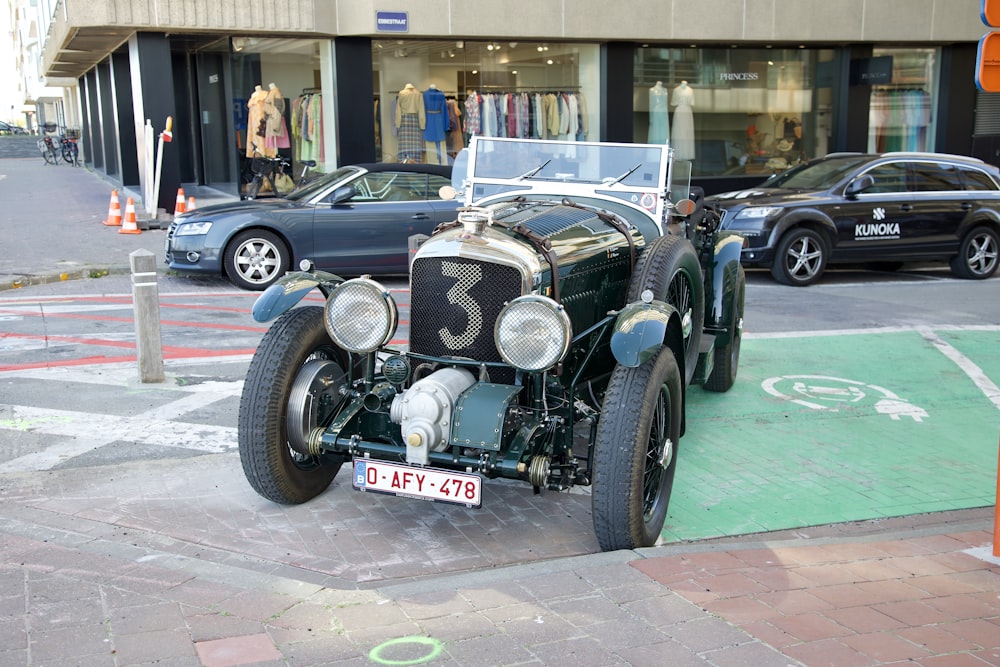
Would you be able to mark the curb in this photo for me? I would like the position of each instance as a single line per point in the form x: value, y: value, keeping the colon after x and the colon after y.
x: 28, y: 280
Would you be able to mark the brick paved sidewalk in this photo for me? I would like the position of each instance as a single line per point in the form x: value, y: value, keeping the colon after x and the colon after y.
x: 929, y: 600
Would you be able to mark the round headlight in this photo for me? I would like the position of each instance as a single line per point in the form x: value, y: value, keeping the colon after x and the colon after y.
x: 533, y: 333
x: 360, y: 315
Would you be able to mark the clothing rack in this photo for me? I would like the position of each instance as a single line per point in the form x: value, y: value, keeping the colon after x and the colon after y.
x: 446, y: 92
x: 310, y: 91
x: 522, y: 89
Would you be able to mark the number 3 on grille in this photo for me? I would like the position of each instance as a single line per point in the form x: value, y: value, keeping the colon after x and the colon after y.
x: 468, y: 275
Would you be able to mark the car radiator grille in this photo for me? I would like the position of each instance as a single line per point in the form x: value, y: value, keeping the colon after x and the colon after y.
x: 454, y: 303
x: 167, y: 254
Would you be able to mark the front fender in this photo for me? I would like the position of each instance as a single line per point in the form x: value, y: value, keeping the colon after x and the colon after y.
x: 289, y: 290
x: 725, y: 270
x: 640, y: 330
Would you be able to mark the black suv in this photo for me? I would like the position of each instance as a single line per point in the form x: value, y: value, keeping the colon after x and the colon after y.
x: 852, y: 207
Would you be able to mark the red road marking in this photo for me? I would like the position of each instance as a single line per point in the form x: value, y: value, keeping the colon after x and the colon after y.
x: 178, y: 353
x: 131, y: 320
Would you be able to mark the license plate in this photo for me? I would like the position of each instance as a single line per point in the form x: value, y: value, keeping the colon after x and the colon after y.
x: 425, y: 483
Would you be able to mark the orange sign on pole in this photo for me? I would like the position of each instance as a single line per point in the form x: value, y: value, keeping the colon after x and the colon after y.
x: 988, y: 63
x: 990, y: 13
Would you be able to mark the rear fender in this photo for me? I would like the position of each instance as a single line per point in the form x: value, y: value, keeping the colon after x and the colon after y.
x: 641, y: 328
x: 289, y: 290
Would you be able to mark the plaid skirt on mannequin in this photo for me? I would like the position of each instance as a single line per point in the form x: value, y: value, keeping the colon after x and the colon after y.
x: 411, y: 138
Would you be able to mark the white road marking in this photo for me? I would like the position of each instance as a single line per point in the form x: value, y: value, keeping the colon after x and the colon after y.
x: 83, y: 432
x: 970, y: 368
x: 865, y: 332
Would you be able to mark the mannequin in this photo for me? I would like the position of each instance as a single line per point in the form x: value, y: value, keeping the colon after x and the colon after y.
x: 256, y: 130
x: 658, y: 127
x: 456, y: 141
x: 410, y: 122
x: 683, y: 130
x: 276, y: 135
x: 436, y: 129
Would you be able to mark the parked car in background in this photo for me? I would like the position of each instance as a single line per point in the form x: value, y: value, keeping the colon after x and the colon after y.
x: 8, y: 128
x: 356, y: 220
x: 863, y: 208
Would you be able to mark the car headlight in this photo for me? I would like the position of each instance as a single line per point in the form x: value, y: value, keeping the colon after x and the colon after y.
x: 192, y: 228
x: 756, y: 212
x: 360, y: 315
x: 533, y: 333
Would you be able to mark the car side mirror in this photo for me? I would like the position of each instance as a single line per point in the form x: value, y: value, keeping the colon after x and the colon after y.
x: 342, y: 194
x: 859, y: 185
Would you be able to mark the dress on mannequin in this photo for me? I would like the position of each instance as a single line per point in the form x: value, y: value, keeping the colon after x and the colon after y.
x: 410, y: 122
x: 682, y: 133
x: 256, y: 121
x: 658, y: 127
x: 276, y: 130
x: 436, y: 129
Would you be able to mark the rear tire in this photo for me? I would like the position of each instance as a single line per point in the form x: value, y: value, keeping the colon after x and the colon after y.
x: 670, y: 269
x: 977, y: 256
x: 727, y: 358
x: 635, y: 454
x: 272, y: 416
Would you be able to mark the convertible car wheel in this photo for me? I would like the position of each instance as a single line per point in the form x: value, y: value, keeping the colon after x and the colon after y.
x: 727, y: 357
x: 635, y: 454
x: 977, y: 256
x: 256, y: 258
x: 800, y: 258
x: 292, y: 386
x: 669, y: 268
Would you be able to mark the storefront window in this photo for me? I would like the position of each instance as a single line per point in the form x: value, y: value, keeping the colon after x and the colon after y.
x: 734, y: 111
x: 278, y: 105
x: 902, y: 100
x: 432, y: 96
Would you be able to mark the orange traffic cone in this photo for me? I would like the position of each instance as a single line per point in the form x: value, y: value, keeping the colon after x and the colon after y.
x: 191, y: 205
x: 114, y: 211
x: 129, y: 225
x: 179, y: 206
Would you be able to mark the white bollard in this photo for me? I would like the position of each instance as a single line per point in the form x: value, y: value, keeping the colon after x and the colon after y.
x: 146, y: 310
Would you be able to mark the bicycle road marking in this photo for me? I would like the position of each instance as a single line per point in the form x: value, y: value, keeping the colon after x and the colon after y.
x: 828, y: 393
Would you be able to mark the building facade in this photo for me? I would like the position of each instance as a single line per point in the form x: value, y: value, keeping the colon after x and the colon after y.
x: 740, y: 89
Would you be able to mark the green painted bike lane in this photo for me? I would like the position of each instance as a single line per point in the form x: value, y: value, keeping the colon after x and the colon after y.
x: 836, y: 428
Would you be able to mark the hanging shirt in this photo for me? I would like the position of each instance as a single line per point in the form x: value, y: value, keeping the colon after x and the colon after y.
x: 473, y: 125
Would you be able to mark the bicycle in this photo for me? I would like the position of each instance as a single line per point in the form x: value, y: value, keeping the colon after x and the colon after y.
x: 47, y: 147
x: 263, y: 167
x: 70, y: 149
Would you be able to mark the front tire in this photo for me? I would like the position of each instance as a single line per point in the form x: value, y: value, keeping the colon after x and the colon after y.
x: 256, y: 258
x: 284, y: 398
x: 800, y: 258
x: 635, y: 453
x: 253, y: 189
x: 977, y: 257
x: 669, y: 268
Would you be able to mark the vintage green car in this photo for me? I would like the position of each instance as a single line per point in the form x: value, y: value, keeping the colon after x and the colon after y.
x: 554, y: 328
